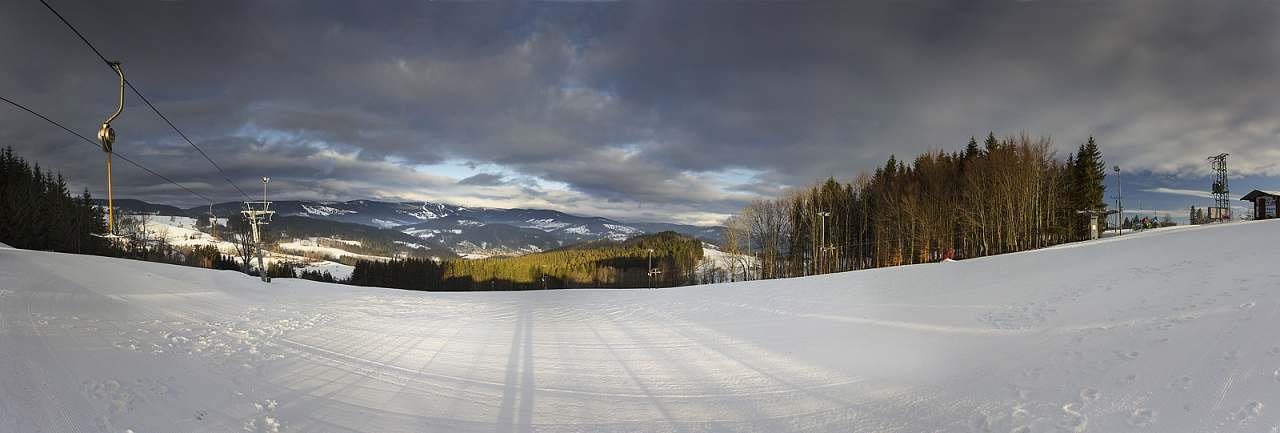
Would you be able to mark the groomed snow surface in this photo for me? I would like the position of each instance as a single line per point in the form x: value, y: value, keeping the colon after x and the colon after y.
x: 1166, y: 331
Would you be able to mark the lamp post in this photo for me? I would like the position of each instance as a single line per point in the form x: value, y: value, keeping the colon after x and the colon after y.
x: 1119, y: 204
x: 823, y: 243
x: 649, y: 270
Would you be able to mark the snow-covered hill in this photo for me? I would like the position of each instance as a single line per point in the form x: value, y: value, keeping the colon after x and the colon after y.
x: 183, y: 231
x: 1166, y: 331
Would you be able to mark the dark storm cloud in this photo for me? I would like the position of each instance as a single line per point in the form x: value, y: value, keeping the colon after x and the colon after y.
x: 636, y: 108
x: 829, y: 89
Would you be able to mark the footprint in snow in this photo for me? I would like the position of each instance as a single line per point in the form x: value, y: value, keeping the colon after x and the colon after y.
x: 1127, y: 380
x: 1128, y: 356
x: 1076, y: 421
x: 1247, y: 412
x: 980, y: 422
x: 265, y: 422
x: 267, y: 405
x: 1088, y: 395
x: 1141, y: 418
x: 1182, y: 383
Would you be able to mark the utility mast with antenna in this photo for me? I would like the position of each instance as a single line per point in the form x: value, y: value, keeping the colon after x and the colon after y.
x: 1221, y: 199
x: 258, y: 213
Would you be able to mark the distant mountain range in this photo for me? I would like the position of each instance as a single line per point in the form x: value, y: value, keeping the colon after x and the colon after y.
x: 465, y: 231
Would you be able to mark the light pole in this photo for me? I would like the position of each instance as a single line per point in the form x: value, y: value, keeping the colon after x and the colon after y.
x: 1119, y: 201
x: 823, y: 247
x: 649, y: 270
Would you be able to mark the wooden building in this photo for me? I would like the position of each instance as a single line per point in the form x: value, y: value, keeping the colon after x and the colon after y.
x: 1264, y: 203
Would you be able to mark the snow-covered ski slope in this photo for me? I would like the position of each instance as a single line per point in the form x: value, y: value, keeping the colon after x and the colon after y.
x: 1166, y: 331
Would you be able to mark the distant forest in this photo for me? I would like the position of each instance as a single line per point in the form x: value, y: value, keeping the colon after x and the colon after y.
x: 1001, y: 196
x: 601, y: 264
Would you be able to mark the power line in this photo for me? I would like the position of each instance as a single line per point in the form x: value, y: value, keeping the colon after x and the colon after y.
x: 99, y: 147
x: 145, y: 100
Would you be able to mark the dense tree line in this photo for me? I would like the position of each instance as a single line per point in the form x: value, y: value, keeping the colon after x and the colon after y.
x: 317, y: 275
x: 603, y: 264
x: 1001, y: 196
x: 407, y: 273
x: 40, y: 213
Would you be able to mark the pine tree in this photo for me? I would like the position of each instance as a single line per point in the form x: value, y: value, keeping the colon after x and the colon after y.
x: 1088, y: 176
x: 971, y: 150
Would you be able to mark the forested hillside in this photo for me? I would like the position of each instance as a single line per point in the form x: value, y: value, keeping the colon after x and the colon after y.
x: 606, y: 264
x: 1005, y: 195
x: 40, y: 214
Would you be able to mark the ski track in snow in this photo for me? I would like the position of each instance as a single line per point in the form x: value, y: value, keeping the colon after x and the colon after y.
x: 1094, y: 337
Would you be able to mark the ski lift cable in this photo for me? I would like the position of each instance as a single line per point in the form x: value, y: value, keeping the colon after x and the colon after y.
x: 99, y: 147
x: 145, y: 100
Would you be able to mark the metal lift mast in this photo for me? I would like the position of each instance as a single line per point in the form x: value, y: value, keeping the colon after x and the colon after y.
x: 1221, y: 192
x: 258, y: 213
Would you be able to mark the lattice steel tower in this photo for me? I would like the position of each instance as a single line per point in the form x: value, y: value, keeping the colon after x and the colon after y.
x: 1221, y: 191
x: 258, y: 214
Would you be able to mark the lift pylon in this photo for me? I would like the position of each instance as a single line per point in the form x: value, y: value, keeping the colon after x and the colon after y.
x: 258, y: 213
x: 1221, y: 210
x: 213, y: 226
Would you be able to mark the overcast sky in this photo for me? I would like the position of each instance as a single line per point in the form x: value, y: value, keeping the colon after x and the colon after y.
x: 647, y: 111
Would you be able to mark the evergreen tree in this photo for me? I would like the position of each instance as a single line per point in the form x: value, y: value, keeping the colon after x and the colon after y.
x: 991, y: 143
x: 1088, y: 177
x: 971, y: 150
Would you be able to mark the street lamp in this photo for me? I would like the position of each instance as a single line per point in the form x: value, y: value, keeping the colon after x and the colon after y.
x: 1119, y: 204
x: 823, y: 243
x: 652, y: 270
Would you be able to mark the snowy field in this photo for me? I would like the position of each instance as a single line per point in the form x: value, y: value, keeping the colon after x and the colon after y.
x: 1165, y: 331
